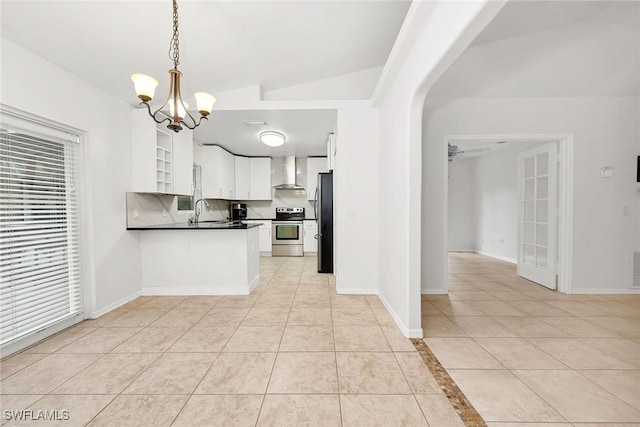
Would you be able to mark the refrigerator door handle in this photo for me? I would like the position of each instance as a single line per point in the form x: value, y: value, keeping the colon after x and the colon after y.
x: 315, y: 204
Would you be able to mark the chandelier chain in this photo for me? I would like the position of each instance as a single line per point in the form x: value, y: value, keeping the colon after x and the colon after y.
x: 174, y: 44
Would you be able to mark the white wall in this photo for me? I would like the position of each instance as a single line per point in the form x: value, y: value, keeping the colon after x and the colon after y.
x: 496, y: 201
x: 31, y: 84
x: 483, y: 202
x: 432, y: 36
x: 356, y: 200
x: 606, y: 133
x: 461, y: 208
x: 357, y: 85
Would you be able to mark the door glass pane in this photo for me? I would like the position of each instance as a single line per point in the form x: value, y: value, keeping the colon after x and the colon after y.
x: 542, y: 211
x: 541, y: 257
x: 541, y: 234
x: 543, y: 188
x: 528, y: 211
x: 529, y: 167
x: 529, y: 257
x: 528, y: 232
x: 529, y: 189
x: 542, y: 165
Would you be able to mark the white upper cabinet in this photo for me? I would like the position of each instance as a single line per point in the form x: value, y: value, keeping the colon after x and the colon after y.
x: 260, y: 187
x: 315, y: 165
x: 228, y: 175
x: 242, y: 178
x: 162, y: 160
x: 183, y: 162
x: 332, y: 150
x: 218, y: 173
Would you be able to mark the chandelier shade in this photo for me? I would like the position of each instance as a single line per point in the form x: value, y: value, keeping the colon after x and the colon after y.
x: 179, y: 115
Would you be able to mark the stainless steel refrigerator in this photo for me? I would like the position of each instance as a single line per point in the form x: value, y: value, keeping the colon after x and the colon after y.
x: 324, y: 220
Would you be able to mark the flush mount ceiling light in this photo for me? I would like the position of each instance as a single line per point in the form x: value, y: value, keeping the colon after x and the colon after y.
x: 272, y: 138
x: 146, y: 87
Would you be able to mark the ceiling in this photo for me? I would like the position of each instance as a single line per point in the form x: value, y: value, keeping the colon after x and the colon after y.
x: 306, y: 131
x: 581, y: 49
x: 223, y: 44
x: 518, y: 18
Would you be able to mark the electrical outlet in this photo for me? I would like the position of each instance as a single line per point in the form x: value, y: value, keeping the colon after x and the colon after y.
x: 136, y: 214
x: 164, y: 212
x: 625, y: 211
x: 187, y: 247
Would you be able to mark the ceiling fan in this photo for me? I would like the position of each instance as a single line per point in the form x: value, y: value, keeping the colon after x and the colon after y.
x: 454, y: 150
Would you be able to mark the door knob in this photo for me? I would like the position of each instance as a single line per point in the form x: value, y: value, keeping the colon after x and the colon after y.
x: 317, y: 236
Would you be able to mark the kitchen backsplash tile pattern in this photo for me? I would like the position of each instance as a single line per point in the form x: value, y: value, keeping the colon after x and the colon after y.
x: 157, y: 209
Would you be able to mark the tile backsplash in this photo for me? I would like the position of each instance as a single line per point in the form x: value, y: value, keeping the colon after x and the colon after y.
x: 155, y: 209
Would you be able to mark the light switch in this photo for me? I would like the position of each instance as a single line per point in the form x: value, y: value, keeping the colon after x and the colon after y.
x: 164, y: 212
x: 606, y: 172
x: 136, y: 214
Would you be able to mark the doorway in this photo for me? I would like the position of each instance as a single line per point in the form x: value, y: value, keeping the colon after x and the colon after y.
x: 540, y: 239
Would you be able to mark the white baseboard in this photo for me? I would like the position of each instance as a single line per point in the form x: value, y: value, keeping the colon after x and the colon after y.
x: 195, y: 290
x: 622, y: 291
x: 254, y: 283
x: 407, y: 332
x: 356, y: 291
x: 434, y: 291
x: 461, y: 250
x: 500, y: 257
x: 97, y: 313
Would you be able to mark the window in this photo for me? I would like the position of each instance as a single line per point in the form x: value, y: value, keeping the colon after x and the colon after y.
x: 40, y: 276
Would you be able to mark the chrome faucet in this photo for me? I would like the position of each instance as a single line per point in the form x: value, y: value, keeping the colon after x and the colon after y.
x: 196, y: 214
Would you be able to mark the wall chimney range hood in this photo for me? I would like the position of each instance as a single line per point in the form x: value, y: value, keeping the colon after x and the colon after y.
x: 288, y: 173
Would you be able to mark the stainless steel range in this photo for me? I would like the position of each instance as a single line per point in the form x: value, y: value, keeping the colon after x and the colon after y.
x: 287, y: 232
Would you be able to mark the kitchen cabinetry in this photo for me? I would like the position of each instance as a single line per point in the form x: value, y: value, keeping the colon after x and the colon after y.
x: 242, y: 177
x: 162, y: 160
x: 265, y: 236
x: 332, y: 150
x: 260, y: 187
x: 183, y: 162
x: 310, y: 244
x: 218, y: 173
x: 315, y: 165
x: 264, y: 233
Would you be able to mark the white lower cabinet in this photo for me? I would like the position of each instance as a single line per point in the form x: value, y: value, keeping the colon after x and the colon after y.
x: 265, y: 236
x: 310, y: 244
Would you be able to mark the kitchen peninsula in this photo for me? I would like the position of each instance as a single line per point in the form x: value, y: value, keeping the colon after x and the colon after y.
x: 208, y: 258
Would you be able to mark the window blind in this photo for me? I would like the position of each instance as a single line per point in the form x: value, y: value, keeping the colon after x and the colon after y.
x: 40, y: 276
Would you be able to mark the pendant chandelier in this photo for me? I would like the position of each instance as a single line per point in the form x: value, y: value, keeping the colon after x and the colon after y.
x: 178, y: 109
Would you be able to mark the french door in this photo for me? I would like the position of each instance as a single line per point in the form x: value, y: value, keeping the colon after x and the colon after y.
x: 537, y: 214
x: 40, y: 275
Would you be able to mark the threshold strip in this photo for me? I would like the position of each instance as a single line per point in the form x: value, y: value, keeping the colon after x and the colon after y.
x: 467, y: 413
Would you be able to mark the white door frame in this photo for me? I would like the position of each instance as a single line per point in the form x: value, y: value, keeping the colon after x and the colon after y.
x: 565, y: 198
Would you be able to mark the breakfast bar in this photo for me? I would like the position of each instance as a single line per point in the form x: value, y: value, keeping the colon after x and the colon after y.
x: 199, y: 259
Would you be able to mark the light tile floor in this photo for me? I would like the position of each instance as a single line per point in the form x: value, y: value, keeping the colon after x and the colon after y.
x: 292, y: 353
x: 296, y: 353
x: 528, y: 356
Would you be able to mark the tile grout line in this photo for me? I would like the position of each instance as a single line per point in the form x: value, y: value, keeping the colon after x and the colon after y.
x: 463, y: 407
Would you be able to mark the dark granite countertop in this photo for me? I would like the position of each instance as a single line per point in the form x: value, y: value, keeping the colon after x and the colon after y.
x: 203, y: 225
x: 275, y: 219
